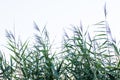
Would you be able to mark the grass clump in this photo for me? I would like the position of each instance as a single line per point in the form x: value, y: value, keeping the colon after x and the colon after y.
x: 83, y: 57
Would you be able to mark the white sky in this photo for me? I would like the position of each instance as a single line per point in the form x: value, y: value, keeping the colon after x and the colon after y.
x: 56, y: 14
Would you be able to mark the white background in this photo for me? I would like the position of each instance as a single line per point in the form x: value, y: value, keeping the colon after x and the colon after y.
x: 56, y: 15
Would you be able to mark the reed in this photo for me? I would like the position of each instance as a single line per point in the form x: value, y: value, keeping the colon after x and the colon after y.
x: 83, y: 57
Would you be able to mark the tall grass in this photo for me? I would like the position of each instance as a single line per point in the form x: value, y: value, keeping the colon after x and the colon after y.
x: 83, y: 57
